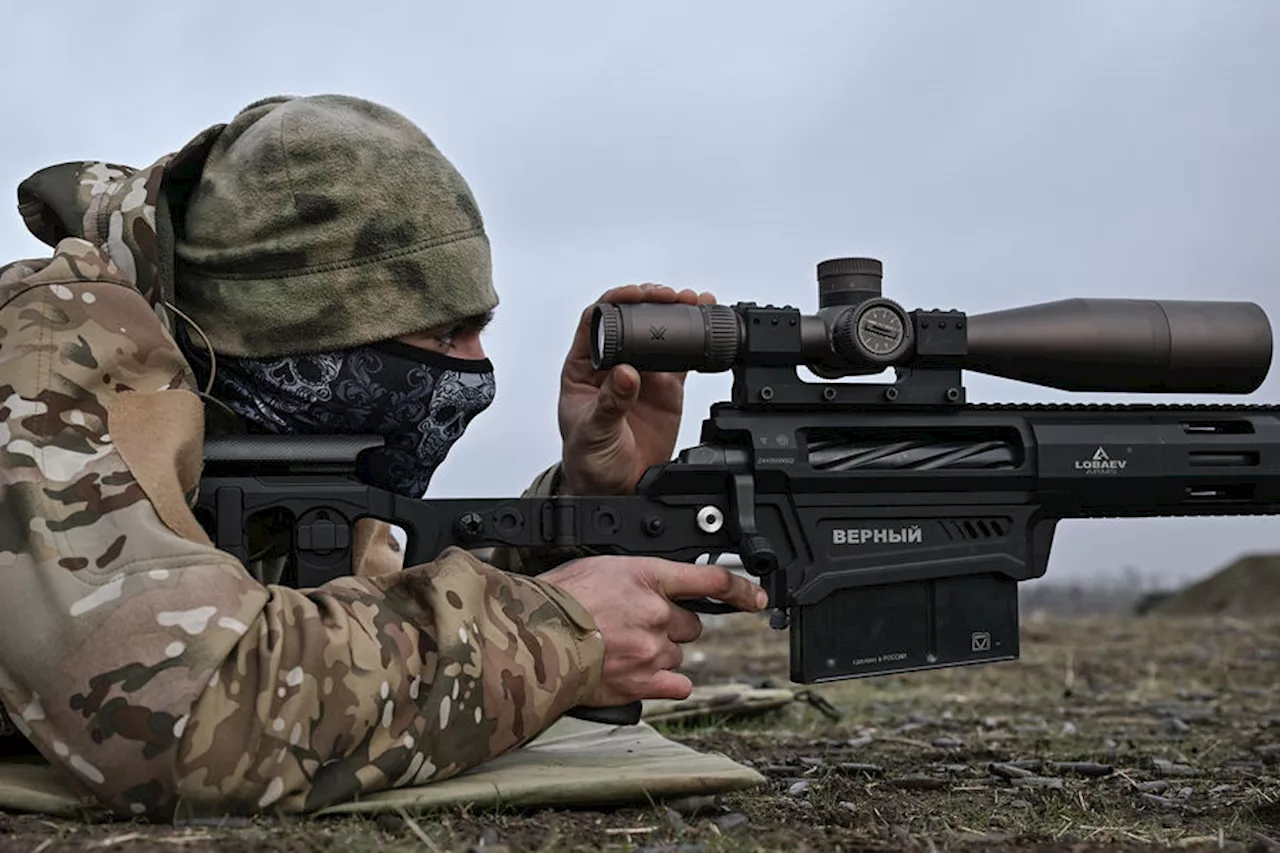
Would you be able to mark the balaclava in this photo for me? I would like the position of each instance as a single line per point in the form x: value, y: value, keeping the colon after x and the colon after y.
x: 419, y: 401
x: 320, y: 229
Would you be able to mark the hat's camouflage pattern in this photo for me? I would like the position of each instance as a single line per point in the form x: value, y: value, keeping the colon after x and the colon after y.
x: 323, y: 223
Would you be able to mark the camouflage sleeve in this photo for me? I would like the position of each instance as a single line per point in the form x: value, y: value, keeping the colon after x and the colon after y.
x: 535, y: 561
x: 152, y: 670
x: 371, y: 683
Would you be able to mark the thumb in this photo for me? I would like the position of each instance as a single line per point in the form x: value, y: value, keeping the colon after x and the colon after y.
x: 617, y: 395
x: 669, y: 685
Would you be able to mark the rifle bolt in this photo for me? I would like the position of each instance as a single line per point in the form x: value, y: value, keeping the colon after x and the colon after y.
x: 710, y: 519
x: 653, y: 526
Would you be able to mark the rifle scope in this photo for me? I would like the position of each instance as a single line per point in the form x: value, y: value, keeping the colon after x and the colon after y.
x: 1107, y: 345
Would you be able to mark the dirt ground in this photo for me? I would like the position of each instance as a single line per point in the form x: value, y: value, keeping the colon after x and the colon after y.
x: 1109, y: 734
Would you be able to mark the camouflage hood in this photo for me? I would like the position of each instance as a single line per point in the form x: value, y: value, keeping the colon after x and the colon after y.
x: 303, y: 225
x: 121, y: 209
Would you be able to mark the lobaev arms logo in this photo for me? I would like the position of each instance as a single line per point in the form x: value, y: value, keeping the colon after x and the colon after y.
x: 1101, y: 463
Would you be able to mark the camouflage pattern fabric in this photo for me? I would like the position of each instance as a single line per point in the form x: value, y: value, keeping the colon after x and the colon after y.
x: 146, y: 665
x: 322, y: 223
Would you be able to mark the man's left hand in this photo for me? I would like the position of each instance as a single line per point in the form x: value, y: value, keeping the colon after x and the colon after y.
x: 616, y: 423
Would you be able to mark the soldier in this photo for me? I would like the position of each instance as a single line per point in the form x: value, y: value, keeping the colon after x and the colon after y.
x: 330, y: 270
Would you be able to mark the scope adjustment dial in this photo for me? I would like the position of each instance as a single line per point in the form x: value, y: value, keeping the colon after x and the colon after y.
x: 875, y: 332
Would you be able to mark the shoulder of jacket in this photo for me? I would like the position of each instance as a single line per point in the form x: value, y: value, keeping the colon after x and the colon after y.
x: 74, y: 260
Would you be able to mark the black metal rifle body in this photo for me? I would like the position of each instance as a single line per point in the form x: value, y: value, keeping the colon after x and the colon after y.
x: 890, y: 541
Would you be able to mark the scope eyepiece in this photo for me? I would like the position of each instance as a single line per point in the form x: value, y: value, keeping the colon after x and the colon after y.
x: 674, y: 338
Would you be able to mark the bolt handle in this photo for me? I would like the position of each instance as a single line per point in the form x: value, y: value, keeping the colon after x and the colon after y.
x: 758, y: 556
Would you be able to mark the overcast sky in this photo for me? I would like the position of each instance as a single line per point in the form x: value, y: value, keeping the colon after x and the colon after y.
x: 990, y: 153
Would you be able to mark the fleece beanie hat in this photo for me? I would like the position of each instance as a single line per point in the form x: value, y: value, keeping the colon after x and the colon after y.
x: 325, y: 222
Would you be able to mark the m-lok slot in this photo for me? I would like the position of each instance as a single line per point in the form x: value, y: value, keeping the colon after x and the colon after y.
x: 1234, y: 427
x: 1223, y: 458
x: 1219, y: 494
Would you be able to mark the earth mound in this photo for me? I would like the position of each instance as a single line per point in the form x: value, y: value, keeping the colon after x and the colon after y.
x: 1249, y: 586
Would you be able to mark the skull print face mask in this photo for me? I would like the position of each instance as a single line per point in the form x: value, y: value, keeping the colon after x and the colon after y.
x: 419, y: 401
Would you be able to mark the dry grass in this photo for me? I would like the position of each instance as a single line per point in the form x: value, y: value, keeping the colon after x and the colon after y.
x: 1109, y: 734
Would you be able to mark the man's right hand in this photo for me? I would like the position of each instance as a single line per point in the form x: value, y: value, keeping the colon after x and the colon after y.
x: 630, y: 599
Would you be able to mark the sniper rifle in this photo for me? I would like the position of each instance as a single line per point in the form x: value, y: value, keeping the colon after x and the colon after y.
x: 890, y: 522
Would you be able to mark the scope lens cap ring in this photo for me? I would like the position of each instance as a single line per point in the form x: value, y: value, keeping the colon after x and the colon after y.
x: 606, y: 333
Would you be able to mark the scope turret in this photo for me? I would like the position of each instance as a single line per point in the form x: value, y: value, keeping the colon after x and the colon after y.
x: 1101, y: 345
x: 848, y: 281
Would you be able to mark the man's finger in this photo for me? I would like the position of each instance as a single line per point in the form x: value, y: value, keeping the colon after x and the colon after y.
x: 685, y: 626
x: 639, y: 293
x: 628, y: 293
x: 684, y: 580
x: 616, y: 397
x: 671, y: 657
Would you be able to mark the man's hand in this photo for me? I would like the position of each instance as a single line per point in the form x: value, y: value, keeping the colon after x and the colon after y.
x: 616, y: 423
x: 631, y: 600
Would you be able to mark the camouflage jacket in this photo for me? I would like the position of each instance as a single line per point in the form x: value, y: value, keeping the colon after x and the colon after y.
x: 146, y: 664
